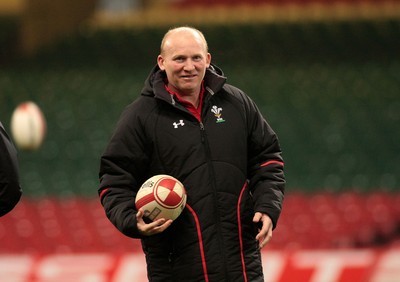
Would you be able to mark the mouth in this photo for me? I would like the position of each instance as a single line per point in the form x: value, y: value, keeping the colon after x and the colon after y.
x: 189, y: 76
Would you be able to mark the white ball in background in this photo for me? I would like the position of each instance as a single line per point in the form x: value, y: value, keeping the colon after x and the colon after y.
x: 28, y: 126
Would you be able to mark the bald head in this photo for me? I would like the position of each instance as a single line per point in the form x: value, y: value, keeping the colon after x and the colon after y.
x: 183, y: 32
x: 184, y: 58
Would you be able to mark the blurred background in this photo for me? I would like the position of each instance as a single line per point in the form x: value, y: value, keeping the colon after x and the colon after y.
x: 325, y: 73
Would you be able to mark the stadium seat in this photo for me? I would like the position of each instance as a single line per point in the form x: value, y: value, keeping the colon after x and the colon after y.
x: 340, y: 220
x: 321, y: 220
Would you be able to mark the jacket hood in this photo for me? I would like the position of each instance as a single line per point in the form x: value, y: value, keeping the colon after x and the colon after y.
x: 154, y: 84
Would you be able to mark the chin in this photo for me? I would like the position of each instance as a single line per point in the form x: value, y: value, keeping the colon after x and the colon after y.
x: 186, y: 88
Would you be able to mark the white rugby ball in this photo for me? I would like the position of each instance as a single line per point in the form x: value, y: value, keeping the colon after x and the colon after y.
x: 28, y: 126
x: 161, y: 196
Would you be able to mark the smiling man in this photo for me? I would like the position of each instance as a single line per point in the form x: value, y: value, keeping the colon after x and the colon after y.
x: 190, y: 124
x: 184, y: 58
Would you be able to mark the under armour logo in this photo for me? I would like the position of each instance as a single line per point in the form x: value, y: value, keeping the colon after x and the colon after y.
x: 181, y: 123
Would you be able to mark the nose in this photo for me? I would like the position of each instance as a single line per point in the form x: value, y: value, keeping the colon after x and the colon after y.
x: 189, y: 65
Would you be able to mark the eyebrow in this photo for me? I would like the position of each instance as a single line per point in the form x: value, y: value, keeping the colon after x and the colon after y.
x: 185, y: 56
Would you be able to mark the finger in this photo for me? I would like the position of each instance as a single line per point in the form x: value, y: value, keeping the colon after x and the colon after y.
x: 257, y: 217
x: 157, y: 223
x: 139, y: 215
x: 157, y: 227
x: 154, y: 227
x: 265, y: 240
x: 263, y: 232
x: 154, y: 224
x: 163, y: 226
x: 143, y: 227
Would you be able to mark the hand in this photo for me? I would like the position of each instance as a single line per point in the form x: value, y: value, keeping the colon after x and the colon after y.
x: 265, y: 234
x: 155, y: 227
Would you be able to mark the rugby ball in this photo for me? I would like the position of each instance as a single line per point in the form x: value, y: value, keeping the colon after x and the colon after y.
x: 28, y: 126
x: 161, y: 196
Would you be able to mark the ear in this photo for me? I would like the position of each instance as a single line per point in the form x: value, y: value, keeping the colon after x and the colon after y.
x: 160, y: 62
x: 208, y: 60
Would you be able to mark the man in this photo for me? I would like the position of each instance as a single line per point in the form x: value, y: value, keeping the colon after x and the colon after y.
x: 10, y: 191
x: 190, y: 124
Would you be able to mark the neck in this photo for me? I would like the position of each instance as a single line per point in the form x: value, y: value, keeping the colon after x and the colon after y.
x: 191, y: 97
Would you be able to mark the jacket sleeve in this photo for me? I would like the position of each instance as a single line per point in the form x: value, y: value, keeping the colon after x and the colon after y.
x: 10, y: 190
x: 265, y: 169
x: 122, y: 167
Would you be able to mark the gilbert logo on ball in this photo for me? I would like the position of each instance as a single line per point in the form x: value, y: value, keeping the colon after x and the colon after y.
x: 28, y: 126
x: 161, y: 196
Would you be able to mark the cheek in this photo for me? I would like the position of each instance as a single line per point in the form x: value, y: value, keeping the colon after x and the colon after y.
x: 202, y: 66
x: 202, y: 69
x: 173, y: 68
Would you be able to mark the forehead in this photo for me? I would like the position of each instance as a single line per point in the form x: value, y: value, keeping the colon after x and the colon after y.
x: 183, y: 42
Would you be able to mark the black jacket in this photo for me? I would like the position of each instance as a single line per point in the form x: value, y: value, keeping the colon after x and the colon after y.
x: 10, y: 190
x: 230, y: 164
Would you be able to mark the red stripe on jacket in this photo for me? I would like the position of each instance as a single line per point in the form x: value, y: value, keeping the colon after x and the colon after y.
x: 102, y: 193
x: 272, y: 162
x: 240, y: 232
x: 200, y: 237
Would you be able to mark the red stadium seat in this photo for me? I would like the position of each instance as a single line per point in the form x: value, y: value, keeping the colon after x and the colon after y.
x: 308, y: 221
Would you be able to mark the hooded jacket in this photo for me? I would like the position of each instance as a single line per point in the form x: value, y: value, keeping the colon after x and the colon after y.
x: 229, y: 162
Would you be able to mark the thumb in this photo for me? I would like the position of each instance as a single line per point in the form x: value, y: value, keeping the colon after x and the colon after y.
x: 139, y: 215
x: 257, y: 217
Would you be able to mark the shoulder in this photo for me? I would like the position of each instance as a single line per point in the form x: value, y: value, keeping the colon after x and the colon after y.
x: 140, y: 107
x: 238, y: 96
x: 134, y: 116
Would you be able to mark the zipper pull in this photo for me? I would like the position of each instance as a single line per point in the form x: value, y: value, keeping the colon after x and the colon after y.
x: 172, y: 100
x: 202, y: 132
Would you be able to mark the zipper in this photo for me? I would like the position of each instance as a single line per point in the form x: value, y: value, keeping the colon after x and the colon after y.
x: 202, y: 132
x: 212, y: 174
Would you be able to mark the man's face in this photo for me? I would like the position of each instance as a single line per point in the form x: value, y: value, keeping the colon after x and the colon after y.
x: 184, y: 59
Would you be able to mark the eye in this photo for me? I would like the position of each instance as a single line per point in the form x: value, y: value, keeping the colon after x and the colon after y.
x: 197, y: 58
x: 179, y: 59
